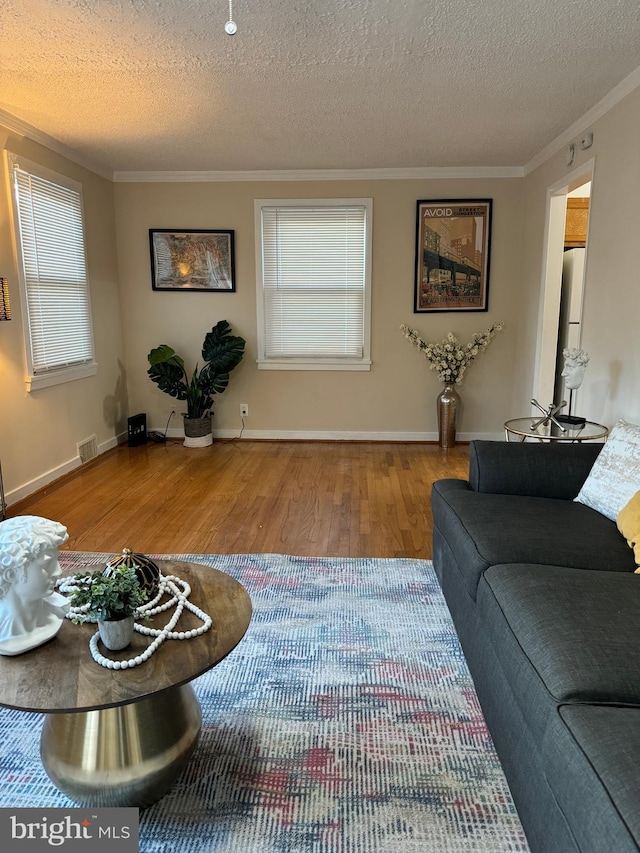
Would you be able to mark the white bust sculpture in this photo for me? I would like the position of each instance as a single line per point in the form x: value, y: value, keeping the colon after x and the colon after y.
x: 31, y: 611
x: 575, y: 362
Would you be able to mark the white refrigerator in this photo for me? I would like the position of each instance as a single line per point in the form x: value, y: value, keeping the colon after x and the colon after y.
x: 569, y: 327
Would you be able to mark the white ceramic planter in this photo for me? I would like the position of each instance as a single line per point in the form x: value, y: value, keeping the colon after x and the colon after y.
x: 116, y: 633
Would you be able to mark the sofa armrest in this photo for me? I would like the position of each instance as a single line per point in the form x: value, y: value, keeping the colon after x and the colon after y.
x: 537, y: 469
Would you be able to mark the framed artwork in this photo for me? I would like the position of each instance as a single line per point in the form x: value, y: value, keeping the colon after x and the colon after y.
x: 200, y: 260
x: 453, y: 239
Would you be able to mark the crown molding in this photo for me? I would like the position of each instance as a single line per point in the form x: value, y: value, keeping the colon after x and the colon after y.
x: 23, y: 128
x: 407, y: 174
x: 617, y: 94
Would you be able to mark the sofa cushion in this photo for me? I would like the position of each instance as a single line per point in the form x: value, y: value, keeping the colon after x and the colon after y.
x: 628, y: 522
x: 615, y: 475
x: 484, y: 530
x: 578, y: 631
x: 591, y: 755
x: 531, y: 467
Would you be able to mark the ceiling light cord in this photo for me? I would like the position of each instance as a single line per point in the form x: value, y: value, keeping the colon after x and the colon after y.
x: 231, y: 27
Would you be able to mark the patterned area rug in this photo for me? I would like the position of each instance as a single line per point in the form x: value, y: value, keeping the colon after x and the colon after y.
x: 344, y: 722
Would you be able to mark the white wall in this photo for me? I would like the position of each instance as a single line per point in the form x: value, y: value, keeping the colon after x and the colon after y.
x: 39, y: 431
x: 612, y: 291
x: 396, y: 399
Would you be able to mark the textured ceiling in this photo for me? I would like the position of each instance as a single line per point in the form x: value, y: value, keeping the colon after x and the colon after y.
x: 311, y: 84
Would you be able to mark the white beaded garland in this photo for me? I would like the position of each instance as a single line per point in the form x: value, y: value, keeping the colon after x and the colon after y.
x: 178, y: 592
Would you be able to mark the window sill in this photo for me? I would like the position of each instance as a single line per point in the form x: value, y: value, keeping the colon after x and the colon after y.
x: 58, y: 377
x: 313, y: 364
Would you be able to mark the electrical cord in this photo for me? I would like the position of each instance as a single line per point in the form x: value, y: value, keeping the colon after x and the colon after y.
x: 158, y: 436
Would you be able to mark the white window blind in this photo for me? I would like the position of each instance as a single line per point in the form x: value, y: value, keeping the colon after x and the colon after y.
x: 56, y: 290
x: 314, y: 264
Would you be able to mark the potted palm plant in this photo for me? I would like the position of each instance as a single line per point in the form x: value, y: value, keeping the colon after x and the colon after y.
x: 222, y: 352
x: 111, y: 599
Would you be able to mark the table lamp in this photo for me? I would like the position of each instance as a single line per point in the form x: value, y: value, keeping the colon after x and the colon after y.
x: 5, y: 314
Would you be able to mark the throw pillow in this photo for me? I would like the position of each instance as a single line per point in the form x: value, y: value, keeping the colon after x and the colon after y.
x: 615, y: 476
x: 629, y: 525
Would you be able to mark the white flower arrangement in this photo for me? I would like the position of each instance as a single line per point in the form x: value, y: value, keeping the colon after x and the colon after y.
x: 449, y: 357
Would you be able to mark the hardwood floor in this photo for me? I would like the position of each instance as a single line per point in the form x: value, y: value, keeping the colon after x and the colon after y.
x: 346, y: 499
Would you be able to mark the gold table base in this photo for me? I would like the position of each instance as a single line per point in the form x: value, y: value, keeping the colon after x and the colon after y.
x: 128, y: 755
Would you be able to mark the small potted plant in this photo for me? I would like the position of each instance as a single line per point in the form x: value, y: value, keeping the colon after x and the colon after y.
x: 111, y: 600
x: 222, y: 352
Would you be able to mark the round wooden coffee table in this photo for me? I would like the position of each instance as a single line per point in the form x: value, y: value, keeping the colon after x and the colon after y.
x: 121, y: 737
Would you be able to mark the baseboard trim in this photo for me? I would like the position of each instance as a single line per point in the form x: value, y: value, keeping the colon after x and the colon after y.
x: 338, y: 435
x: 27, y: 489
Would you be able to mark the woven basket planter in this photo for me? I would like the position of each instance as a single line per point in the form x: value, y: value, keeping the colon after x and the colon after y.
x: 197, y: 432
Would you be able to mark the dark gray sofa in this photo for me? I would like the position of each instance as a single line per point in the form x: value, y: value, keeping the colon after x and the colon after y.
x: 547, y: 608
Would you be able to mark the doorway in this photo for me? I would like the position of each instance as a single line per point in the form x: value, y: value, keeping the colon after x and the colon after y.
x: 558, y: 309
x: 572, y: 288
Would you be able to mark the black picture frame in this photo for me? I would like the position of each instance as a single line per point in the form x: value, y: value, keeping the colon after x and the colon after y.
x: 453, y: 248
x: 196, y: 260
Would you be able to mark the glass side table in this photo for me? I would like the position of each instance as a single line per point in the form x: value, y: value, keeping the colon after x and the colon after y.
x: 520, y: 429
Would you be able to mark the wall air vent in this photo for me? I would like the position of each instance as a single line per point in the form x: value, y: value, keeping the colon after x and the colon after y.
x: 88, y: 449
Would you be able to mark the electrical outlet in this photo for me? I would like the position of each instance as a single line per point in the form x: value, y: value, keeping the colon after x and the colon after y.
x: 244, y: 410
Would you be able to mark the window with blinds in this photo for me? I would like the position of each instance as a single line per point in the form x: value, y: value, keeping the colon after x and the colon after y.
x: 314, y: 272
x: 49, y: 232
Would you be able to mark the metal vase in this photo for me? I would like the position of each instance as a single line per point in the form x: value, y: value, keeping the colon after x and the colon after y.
x: 448, y: 404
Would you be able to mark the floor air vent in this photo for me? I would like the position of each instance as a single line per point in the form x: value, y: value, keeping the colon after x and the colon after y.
x: 88, y: 449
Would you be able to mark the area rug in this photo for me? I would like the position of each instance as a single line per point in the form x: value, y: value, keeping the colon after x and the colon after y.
x: 344, y: 722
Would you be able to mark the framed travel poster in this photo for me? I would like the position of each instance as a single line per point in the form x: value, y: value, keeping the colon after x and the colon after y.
x: 453, y: 239
x: 192, y: 260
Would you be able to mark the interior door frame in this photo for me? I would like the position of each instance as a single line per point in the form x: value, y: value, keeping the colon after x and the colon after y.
x: 551, y: 284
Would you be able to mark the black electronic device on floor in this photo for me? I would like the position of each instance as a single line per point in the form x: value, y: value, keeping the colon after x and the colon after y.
x: 137, y: 430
